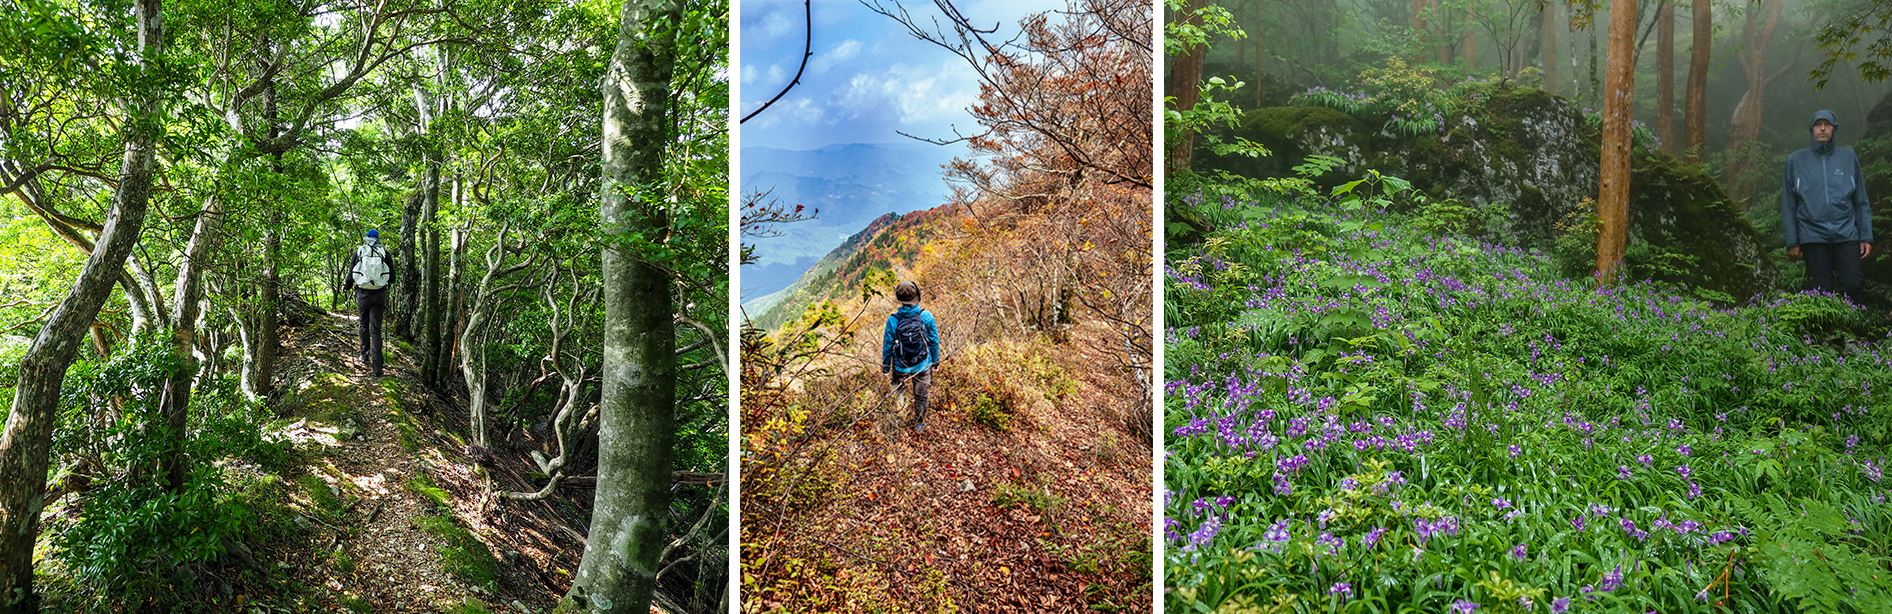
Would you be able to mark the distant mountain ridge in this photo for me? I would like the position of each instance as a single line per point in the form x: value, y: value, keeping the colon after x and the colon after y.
x: 892, y: 241
x: 850, y: 185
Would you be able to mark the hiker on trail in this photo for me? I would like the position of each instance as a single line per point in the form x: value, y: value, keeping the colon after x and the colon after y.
x: 910, y: 348
x: 1824, y: 211
x: 370, y: 272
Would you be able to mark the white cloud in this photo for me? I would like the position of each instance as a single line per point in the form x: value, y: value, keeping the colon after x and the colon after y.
x: 777, y: 24
x: 749, y: 74
x: 776, y: 75
x: 840, y: 54
x: 909, y: 94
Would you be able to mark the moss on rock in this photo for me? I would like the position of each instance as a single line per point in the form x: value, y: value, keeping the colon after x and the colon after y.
x: 1525, y: 161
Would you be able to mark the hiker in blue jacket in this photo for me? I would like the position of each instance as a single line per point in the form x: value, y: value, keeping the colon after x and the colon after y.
x: 1824, y: 211
x: 910, y: 348
x: 370, y: 271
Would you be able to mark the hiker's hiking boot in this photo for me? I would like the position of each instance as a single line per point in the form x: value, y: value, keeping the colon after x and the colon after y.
x: 920, y: 428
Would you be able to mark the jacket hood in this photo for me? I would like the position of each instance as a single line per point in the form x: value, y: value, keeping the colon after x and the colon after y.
x: 371, y: 241
x: 1831, y: 118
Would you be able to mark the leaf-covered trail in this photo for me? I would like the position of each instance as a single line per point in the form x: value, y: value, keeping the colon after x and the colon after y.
x: 1050, y: 514
x: 388, y: 519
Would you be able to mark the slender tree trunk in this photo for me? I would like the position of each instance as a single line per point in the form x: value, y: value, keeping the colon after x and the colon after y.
x: 1612, y: 201
x: 406, y: 292
x: 1471, y: 39
x: 176, y: 399
x: 1418, y: 27
x: 457, y: 238
x: 429, y: 324
x: 1696, y: 113
x: 1184, y: 77
x: 1596, y: 85
x: 1665, y: 77
x: 26, y: 444
x: 1552, y: 25
x: 619, y: 569
x: 1438, y: 33
x: 267, y: 335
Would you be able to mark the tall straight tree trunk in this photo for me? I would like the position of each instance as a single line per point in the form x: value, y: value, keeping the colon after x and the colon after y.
x: 1695, y: 116
x: 1551, y: 26
x: 1471, y: 39
x: 429, y: 324
x: 1596, y: 85
x: 1183, y: 79
x: 1612, y: 201
x: 619, y: 569
x: 267, y: 335
x: 1665, y: 77
x: 406, y: 292
x: 450, y: 339
x: 1418, y: 27
x: 26, y: 444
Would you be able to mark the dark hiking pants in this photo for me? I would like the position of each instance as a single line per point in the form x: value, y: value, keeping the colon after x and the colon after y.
x: 921, y: 381
x: 1825, y: 260
x: 373, y: 307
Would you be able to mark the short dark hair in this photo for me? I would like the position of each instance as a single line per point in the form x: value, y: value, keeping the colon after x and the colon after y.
x: 906, y: 292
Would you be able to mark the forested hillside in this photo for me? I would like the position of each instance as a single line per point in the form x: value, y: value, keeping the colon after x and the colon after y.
x: 192, y: 426
x: 1027, y: 488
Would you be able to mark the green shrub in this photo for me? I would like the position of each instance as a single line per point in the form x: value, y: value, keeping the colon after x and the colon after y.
x: 990, y: 413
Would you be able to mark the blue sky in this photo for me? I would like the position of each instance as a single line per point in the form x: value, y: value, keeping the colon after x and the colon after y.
x: 868, y: 77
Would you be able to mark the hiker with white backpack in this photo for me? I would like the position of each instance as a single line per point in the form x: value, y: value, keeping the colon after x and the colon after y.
x: 910, y: 348
x: 370, y: 272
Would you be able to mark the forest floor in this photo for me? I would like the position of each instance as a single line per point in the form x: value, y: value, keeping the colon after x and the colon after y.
x: 1046, y: 510
x: 395, y: 515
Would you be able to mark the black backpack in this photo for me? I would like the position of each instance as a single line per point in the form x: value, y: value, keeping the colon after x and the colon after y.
x: 909, y: 340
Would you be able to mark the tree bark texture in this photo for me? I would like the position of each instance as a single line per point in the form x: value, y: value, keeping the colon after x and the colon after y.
x: 1184, y: 76
x: 176, y: 398
x: 429, y: 324
x: 1665, y: 77
x: 406, y: 292
x: 1695, y: 115
x: 619, y: 569
x: 1612, y: 201
x: 26, y: 444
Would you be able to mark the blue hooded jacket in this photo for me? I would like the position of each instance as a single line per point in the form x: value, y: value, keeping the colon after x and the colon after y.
x: 932, y: 341
x: 1823, y: 197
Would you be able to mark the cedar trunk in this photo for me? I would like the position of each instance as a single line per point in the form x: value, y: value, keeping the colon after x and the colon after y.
x: 627, y: 538
x: 27, y: 442
x: 1612, y: 201
x: 1183, y: 80
x: 1551, y: 26
x: 1695, y: 116
x: 1665, y: 77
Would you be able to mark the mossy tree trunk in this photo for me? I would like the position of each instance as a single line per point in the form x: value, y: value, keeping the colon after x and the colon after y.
x: 1696, y: 113
x: 1612, y: 201
x: 619, y: 570
x: 26, y: 445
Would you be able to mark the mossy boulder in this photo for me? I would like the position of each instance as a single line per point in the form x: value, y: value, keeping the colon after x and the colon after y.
x: 1875, y: 157
x: 1528, y: 163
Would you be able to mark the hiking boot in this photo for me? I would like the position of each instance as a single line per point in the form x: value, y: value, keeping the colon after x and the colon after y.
x: 920, y: 428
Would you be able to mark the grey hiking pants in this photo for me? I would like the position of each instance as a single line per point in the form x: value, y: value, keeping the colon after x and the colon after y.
x: 373, y: 307
x: 921, y: 381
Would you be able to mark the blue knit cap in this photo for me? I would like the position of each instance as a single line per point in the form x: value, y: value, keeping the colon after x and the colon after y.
x: 372, y: 234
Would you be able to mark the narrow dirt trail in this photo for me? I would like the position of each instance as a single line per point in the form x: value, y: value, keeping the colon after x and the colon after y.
x: 387, y: 539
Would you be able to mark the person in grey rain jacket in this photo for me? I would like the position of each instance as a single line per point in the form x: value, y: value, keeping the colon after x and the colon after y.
x: 910, y: 348
x: 1824, y: 211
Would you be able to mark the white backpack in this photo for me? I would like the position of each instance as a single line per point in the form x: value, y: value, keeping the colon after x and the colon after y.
x: 371, y: 268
